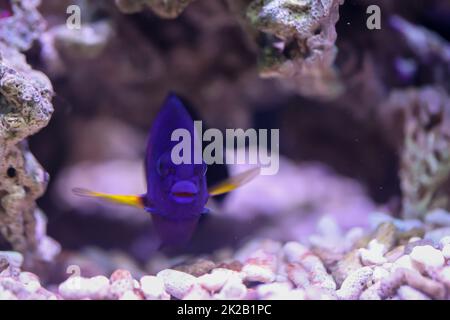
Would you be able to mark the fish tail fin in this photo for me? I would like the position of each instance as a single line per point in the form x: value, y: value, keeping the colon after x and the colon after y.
x: 234, y: 182
x: 130, y: 200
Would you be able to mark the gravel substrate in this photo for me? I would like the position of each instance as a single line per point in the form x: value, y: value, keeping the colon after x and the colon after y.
x: 397, y: 259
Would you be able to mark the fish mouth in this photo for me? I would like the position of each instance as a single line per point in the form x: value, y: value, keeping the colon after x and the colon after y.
x: 184, y: 192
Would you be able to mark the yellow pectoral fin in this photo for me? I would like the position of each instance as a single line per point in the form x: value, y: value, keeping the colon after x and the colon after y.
x: 234, y: 182
x: 130, y: 200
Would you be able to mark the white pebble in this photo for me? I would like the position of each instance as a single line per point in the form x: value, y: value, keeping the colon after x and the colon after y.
x: 130, y: 295
x: 444, y: 241
x: 215, y: 280
x: 97, y: 287
x: 372, y: 292
x: 197, y: 293
x: 177, y: 283
x: 409, y: 293
x: 74, y: 288
x: 30, y: 281
x: 379, y: 273
x: 370, y: 257
x: 83, y: 288
x: 7, y: 295
x: 153, y: 288
x: 387, y: 266
x: 376, y: 246
x: 71, y: 288
x: 427, y: 256
x: 296, y: 294
x: 233, y: 289
x: 446, y: 251
x: 444, y: 276
x: 317, y: 293
x: 404, y: 262
x: 254, y: 272
x: 274, y: 290
x: 414, y: 239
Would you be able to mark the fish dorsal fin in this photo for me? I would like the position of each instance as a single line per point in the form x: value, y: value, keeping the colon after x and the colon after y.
x: 129, y: 200
x: 234, y: 182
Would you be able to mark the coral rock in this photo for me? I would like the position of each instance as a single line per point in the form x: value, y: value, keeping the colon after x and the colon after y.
x: 164, y: 8
x: 425, y: 160
x: 412, y: 278
x: 348, y: 264
x: 298, y: 275
x: 23, y: 286
x: 374, y: 253
x: 317, y: 273
x: 304, y: 31
x: 24, y: 26
x: 354, y: 284
x: 25, y: 101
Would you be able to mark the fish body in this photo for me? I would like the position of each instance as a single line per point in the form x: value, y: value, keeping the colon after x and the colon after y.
x: 176, y: 193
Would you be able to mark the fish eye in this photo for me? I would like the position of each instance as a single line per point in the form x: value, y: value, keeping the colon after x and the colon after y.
x: 162, y: 168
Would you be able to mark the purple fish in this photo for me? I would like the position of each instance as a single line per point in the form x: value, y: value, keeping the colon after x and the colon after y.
x: 176, y: 193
